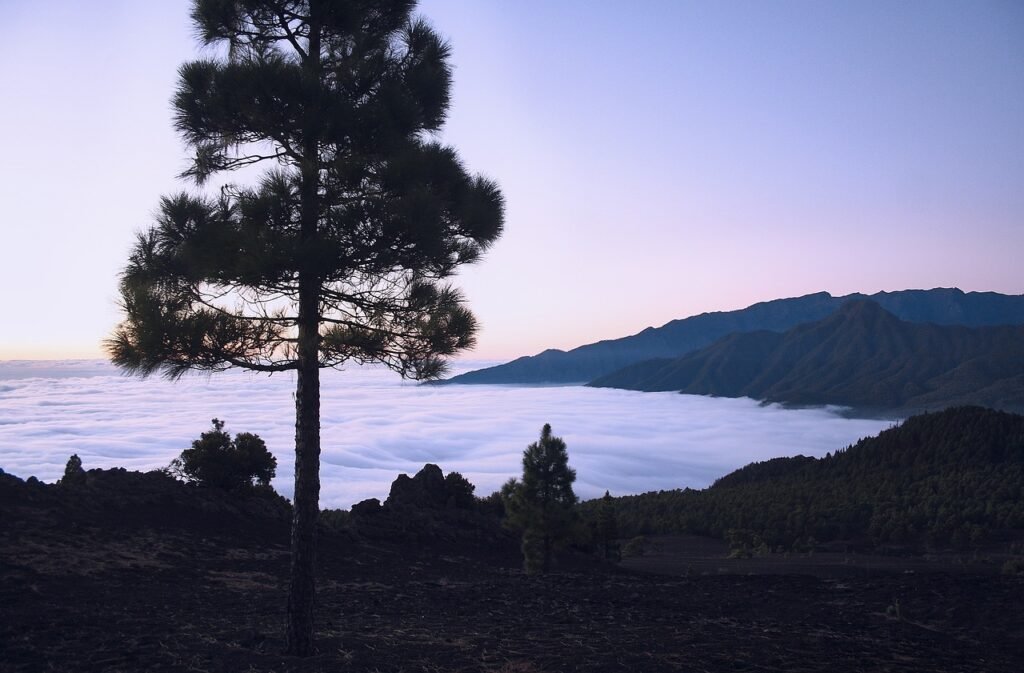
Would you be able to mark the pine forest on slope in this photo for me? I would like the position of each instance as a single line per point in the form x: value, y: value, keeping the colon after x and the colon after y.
x: 946, y: 480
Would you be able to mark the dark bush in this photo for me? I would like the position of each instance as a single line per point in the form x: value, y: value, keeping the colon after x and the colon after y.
x: 459, y: 491
x: 335, y: 519
x: 635, y: 547
x: 492, y: 505
x: 74, y: 475
x: 217, y: 460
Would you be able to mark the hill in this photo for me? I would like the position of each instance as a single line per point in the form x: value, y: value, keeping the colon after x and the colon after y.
x: 861, y: 356
x: 944, y: 306
x: 946, y: 480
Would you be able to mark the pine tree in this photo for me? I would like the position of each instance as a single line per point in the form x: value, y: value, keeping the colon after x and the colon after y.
x: 74, y: 473
x: 607, y: 528
x: 342, y: 249
x: 221, y: 462
x: 541, y: 504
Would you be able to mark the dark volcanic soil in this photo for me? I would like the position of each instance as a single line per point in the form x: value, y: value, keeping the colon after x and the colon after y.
x: 165, y: 578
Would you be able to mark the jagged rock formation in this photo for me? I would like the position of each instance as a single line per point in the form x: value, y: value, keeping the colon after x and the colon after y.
x: 426, y: 489
x: 426, y: 507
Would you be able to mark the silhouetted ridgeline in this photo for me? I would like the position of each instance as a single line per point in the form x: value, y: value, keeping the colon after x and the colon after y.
x: 944, y: 306
x: 426, y: 509
x: 949, y: 479
x: 860, y: 356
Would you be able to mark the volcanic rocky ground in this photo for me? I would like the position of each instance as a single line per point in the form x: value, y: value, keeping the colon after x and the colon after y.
x: 133, y: 572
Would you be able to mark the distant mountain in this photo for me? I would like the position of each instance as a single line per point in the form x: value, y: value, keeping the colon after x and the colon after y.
x: 860, y: 356
x: 948, y: 479
x: 943, y: 306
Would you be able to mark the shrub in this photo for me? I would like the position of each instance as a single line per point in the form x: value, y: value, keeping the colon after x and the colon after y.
x: 74, y: 475
x: 219, y: 461
x: 335, y: 519
x: 635, y: 547
x: 1014, y: 566
x: 492, y: 505
x: 459, y: 491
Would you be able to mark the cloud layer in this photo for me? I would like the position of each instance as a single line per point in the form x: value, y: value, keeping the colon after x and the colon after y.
x: 374, y: 426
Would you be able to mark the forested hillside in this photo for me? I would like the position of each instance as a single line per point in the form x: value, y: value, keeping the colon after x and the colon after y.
x: 953, y: 479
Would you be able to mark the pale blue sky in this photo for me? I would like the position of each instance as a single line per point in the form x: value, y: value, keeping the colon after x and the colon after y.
x: 659, y: 158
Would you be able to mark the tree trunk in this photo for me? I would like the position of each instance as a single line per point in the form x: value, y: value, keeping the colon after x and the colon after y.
x: 546, y: 563
x: 306, y: 504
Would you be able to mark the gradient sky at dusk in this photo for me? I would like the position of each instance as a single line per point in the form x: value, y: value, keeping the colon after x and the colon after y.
x: 659, y: 159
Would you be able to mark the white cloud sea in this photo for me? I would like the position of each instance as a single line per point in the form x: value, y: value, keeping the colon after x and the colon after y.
x: 374, y: 426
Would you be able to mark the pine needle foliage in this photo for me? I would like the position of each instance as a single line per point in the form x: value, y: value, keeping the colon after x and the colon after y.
x: 219, y: 461
x: 74, y: 473
x: 541, y: 504
x: 607, y: 528
x: 342, y: 249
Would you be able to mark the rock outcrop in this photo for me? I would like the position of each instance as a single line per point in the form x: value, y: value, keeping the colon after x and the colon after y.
x: 426, y: 489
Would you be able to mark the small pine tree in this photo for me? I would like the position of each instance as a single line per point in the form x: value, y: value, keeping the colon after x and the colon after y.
x: 74, y: 475
x: 607, y: 528
x: 217, y: 460
x: 541, y: 504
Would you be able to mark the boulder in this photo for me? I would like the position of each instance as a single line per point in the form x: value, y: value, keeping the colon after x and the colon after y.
x: 367, y: 507
x: 425, y: 490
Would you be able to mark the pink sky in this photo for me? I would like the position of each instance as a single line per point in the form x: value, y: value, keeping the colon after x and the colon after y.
x: 659, y: 159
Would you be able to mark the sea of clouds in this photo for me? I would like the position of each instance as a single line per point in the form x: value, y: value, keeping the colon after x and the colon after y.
x: 375, y: 426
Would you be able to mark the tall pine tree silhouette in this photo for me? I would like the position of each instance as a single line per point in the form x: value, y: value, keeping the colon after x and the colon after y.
x: 541, y: 504
x: 607, y: 529
x: 340, y: 251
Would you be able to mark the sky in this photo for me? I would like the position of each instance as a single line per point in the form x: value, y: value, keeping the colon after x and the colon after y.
x: 659, y: 159
x: 375, y: 427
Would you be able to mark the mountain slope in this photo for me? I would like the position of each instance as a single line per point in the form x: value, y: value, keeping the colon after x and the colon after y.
x: 945, y: 479
x: 678, y: 337
x: 861, y: 356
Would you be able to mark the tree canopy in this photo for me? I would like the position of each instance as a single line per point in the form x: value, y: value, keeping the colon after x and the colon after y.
x: 74, y: 473
x: 217, y: 460
x: 359, y: 202
x: 342, y: 249
x: 541, y: 504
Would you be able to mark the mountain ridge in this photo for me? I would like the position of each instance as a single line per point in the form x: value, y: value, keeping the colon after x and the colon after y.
x: 678, y: 337
x: 861, y: 356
